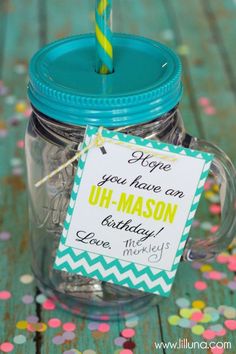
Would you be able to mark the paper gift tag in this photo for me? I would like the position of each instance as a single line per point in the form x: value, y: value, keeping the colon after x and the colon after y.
x: 131, y: 209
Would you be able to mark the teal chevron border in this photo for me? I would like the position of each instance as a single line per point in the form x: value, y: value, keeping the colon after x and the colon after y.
x: 96, y: 266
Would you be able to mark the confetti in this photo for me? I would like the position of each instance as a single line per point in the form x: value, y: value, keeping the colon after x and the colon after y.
x: 203, y: 101
x: 198, y: 329
x: 126, y: 351
x: 4, y: 235
x: 214, y: 229
x: 48, y: 305
x: 182, y: 302
x: 6, y: 347
x: 129, y: 345
x: 184, y: 323
x: 174, y: 320
x: 210, y: 110
x: 128, y: 333
x: 119, y: 341
x: 197, y: 316
x: 183, y: 49
x: 215, y: 275
x: 199, y: 304
x: 32, y: 319
x: 54, y: 323
x: 20, y: 69
x: 200, y: 285
x: 131, y: 322
x: 167, y: 34
x: 58, y: 340
x: 93, y: 326
x: 21, y: 324
x: 69, y: 326
x: 27, y: 299
x: 217, y: 350
x: 232, y: 267
x: 68, y: 335
x: 20, y: 107
x: 26, y: 278
x: 208, y: 334
x: 40, y: 299
x: 206, y: 268
x: 186, y: 313
x: 229, y: 313
x: 215, y: 209
x: 20, y: 144
x: 206, y: 226
x: 19, y: 339
x: 5, y: 295
x: 89, y: 351
x: 230, y: 324
x: 104, y: 327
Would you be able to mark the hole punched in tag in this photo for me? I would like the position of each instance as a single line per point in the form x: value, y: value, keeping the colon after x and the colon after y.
x: 103, y: 150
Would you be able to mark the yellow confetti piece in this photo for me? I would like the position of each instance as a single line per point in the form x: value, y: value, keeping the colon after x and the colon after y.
x: 206, y: 318
x: 183, y: 49
x: 20, y: 107
x: 186, y: 313
x: 198, y: 329
x: 206, y: 268
x: 42, y: 327
x: 209, y: 194
x: 215, y: 188
x: 21, y: 324
x: 173, y: 320
x: 199, y: 304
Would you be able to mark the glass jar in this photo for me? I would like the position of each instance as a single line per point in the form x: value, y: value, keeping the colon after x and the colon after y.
x: 66, y: 95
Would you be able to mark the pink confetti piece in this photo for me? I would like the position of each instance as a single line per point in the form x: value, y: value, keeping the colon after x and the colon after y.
x: 215, y: 209
x: 104, y: 327
x: 54, y: 323
x: 5, y: 295
x: 203, y: 101
x: 207, y: 185
x: 210, y: 110
x: 221, y: 333
x: 232, y: 267
x: 27, y: 113
x: 128, y: 333
x: 20, y: 144
x: 208, y: 334
x: 49, y: 305
x: 200, y: 285
x: 214, y: 229
x: 217, y: 350
x: 69, y: 326
x: 197, y: 316
x: 126, y: 351
x: 230, y: 324
x: 215, y: 275
x: 6, y: 347
x: 222, y: 259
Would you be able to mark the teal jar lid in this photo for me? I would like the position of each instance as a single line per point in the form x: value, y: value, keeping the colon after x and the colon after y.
x: 64, y: 85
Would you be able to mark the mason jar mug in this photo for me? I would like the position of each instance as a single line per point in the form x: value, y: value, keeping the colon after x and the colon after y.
x: 141, y: 97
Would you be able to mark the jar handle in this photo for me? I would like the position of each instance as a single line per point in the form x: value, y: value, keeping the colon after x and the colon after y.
x: 224, y: 172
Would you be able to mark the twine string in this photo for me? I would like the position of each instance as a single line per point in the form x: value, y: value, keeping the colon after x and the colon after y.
x: 97, y: 142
